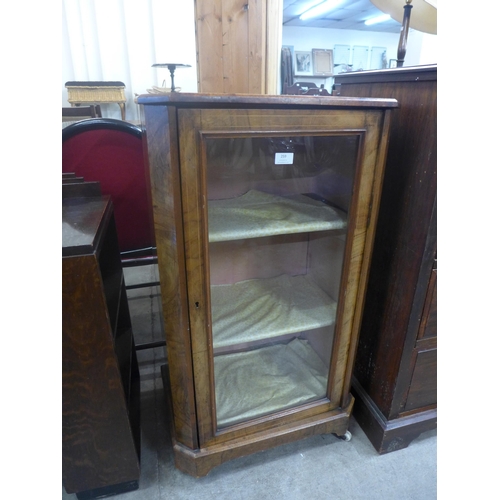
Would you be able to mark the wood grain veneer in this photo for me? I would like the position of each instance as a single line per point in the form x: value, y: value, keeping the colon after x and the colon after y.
x: 178, y: 128
x: 100, y: 376
x: 395, y: 370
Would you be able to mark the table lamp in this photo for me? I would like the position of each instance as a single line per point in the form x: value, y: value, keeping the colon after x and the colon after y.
x: 420, y: 15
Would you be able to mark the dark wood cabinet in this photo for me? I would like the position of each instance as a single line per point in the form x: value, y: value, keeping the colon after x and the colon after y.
x: 264, y: 212
x: 100, y: 376
x: 395, y: 372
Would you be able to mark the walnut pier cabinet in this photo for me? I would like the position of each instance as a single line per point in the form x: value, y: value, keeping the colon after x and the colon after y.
x: 265, y: 210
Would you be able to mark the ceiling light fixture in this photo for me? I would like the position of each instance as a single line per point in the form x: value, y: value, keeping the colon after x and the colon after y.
x: 320, y: 9
x: 378, y: 19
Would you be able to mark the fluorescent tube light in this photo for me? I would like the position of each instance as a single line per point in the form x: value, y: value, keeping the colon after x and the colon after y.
x: 310, y: 5
x: 378, y: 19
x: 320, y: 9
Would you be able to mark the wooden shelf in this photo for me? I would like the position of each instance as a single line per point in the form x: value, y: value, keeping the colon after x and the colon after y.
x: 255, y: 383
x: 264, y: 308
x: 256, y: 214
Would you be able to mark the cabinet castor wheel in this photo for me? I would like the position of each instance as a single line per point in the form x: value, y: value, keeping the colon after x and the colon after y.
x: 346, y: 437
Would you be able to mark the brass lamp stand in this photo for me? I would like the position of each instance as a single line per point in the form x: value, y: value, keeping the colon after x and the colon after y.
x: 403, y: 37
x: 420, y: 15
x: 171, y: 67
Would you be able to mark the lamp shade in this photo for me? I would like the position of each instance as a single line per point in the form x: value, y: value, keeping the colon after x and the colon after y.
x: 423, y: 14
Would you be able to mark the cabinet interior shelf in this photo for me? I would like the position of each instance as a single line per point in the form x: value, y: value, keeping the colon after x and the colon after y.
x: 257, y: 214
x: 257, y: 309
x: 262, y: 381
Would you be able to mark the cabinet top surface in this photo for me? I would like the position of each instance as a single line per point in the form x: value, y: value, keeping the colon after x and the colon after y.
x: 180, y: 99
x: 409, y: 73
x: 81, y: 221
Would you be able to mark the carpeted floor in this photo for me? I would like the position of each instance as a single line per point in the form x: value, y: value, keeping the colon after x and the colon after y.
x: 318, y: 468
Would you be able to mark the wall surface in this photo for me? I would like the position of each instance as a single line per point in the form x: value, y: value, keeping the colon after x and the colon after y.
x: 421, y: 48
x: 324, y: 38
x: 120, y: 40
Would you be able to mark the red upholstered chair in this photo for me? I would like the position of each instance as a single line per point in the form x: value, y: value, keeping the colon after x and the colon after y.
x: 111, y: 152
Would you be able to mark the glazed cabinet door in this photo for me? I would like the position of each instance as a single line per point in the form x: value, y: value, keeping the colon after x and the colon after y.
x: 276, y: 209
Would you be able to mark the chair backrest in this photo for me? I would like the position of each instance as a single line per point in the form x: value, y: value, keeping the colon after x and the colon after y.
x: 317, y: 91
x: 111, y: 152
x: 307, y: 85
x: 294, y: 89
x: 306, y: 88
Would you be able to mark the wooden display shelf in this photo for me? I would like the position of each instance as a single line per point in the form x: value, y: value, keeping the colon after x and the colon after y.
x: 263, y: 381
x: 257, y: 214
x: 264, y: 308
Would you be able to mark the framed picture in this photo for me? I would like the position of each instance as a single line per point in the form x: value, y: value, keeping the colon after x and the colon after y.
x: 303, y: 63
x: 378, y: 59
x: 359, y: 58
x: 341, y: 59
x: 322, y: 62
x: 393, y: 63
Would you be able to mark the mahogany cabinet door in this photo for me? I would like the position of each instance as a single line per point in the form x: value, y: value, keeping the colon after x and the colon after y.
x: 231, y: 160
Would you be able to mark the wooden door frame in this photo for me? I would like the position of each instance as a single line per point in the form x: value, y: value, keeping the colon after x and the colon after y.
x: 272, y: 11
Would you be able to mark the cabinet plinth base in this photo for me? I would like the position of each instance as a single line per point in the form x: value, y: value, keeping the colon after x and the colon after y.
x: 199, y: 463
x: 107, y: 491
x: 389, y: 435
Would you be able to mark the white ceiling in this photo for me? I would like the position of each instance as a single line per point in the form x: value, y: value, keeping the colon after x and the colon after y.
x: 350, y: 15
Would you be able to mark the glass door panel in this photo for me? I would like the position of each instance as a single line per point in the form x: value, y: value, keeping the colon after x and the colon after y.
x: 277, y: 220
